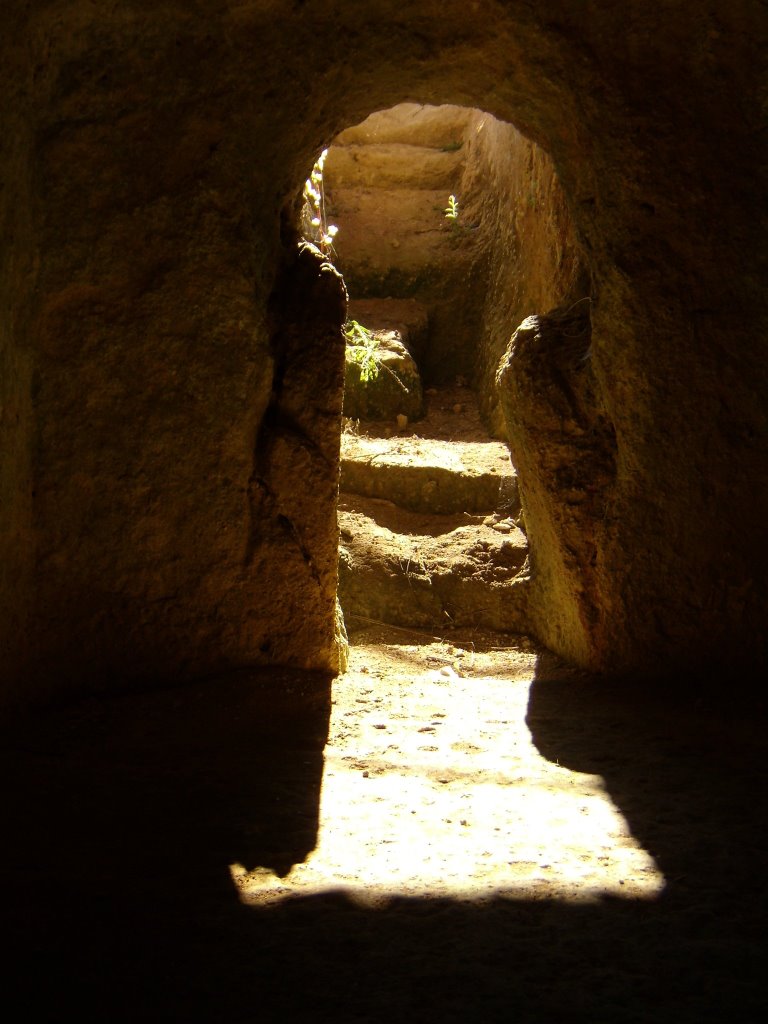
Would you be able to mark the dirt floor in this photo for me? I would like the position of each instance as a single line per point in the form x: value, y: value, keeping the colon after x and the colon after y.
x: 433, y: 787
x: 486, y: 836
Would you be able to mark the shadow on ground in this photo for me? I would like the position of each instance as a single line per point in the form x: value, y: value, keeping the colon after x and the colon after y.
x: 121, y: 819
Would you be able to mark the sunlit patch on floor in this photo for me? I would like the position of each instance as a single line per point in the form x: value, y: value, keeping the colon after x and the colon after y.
x: 433, y: 787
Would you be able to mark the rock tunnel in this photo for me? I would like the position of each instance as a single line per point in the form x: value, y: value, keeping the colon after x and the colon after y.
x: 170, y: 369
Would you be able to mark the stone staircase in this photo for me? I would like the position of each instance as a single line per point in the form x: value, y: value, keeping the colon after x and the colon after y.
x: 429, y: 511
x: 429, y: 523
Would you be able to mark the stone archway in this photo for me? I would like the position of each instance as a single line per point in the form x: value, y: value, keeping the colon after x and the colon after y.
x: 453, y: 288
x: 153, y: 158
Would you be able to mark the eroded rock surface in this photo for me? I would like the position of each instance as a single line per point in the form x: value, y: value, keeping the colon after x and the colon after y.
x: 565, y: 450
x: 153, y: 158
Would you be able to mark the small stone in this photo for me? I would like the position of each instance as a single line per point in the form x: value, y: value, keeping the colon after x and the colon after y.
x: 503, y: 527
x: 402, y: 421
x: 458, y: 408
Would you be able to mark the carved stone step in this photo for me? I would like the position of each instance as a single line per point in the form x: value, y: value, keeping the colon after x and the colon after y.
x: 430, y: 571
x: 431, y: 476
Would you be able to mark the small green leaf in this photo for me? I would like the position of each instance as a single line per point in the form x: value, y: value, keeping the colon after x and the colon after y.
x: 452, y: 209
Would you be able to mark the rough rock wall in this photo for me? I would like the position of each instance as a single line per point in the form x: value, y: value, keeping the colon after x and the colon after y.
x: 17, y: 275
x: 177, y: 516
x: 510, y: 193
x: 293, y: 539
x: 158, y: 149
x: 564, y: 447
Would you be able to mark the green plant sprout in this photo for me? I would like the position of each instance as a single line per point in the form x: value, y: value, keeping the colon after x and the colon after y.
x: 314, y: 223
x: 363, y: 348
x: 452, y: 210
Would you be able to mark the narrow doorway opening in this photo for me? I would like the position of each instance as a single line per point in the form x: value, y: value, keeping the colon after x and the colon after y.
x: 449, y: 228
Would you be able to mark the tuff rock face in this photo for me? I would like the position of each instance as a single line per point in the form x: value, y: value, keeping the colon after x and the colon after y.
x: 171, y: 365
x: 565, y: 450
